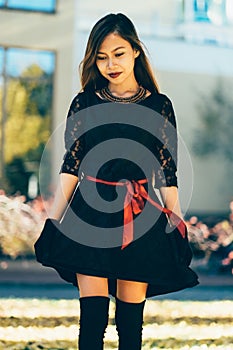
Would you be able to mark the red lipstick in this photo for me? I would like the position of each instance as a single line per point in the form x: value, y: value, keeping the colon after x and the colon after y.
x: 114, y: 75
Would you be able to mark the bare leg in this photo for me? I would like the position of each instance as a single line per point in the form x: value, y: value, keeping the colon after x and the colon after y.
x: 130, y: 291
x: 92, y: 285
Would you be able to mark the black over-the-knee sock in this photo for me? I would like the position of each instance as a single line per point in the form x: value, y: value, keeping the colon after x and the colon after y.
x: 129, y: 320
x: 93, y: 322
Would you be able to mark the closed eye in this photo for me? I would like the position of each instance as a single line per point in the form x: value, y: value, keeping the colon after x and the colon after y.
x: 101, y: 58
x: 119, y: 54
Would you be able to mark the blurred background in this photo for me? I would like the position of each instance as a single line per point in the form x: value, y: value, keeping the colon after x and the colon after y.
x: 190, y: 45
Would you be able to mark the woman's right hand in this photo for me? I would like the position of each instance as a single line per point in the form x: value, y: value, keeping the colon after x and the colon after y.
x: 66, y: 186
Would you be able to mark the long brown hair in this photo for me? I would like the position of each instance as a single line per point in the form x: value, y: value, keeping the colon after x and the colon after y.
x: 91, y: 79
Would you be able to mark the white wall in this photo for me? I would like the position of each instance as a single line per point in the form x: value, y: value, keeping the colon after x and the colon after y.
x: 188, y: 73
x: 184, y: 70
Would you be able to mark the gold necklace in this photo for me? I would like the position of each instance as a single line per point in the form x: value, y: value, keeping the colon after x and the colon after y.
x: 140, y: 95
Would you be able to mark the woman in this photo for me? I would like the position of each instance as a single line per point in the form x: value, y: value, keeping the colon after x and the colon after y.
x: 117, y: 77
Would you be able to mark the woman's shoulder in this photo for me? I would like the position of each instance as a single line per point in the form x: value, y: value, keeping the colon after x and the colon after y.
x: 84, y: 99
x: 78, y: 100
x: 159, y: 102
x: 161, y: 98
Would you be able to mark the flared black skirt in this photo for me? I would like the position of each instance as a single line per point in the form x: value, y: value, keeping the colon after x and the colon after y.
x: 90, y: 242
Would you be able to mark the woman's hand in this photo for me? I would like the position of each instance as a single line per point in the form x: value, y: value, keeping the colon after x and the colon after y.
x: 170, y: 198
x: 65, y: 189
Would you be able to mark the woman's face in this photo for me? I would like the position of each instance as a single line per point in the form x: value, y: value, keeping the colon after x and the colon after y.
x: 115, y: 60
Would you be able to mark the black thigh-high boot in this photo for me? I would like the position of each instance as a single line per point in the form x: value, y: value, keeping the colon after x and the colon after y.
x: 129, y: 320
x: 93, y: 322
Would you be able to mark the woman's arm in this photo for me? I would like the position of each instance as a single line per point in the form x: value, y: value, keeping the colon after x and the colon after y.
x: 65, y: 189
x: 170, y: 198
x: 68, y: 178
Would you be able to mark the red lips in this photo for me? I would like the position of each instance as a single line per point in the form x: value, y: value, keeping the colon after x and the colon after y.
x: 114, y: 75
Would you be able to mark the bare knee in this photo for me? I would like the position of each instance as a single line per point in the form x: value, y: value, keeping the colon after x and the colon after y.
x: 131, y: 291
x: 92, y: 285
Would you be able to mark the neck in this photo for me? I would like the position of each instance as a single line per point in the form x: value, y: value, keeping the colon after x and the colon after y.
x: 138, y: 96
x: 124, y: 91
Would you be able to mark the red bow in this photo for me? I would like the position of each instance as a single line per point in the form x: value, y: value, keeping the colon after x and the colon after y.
x: 134, y: 204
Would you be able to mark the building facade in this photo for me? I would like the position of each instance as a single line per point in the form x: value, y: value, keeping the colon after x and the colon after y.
x: 191, y: 49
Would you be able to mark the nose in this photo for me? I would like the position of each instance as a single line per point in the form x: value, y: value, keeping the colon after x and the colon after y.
x: 111, y: 62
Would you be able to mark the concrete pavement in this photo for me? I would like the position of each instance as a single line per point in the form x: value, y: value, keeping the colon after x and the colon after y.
x: 27, y: 278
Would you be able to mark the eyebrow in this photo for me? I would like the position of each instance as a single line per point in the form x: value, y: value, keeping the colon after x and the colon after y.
x: 117, y: 48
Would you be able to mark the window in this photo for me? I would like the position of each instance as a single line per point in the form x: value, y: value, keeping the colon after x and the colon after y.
x: 1, y: 60
x: 213, y: 11
x: 2, y: 108
x: 29, y: 5
x: 229, y: 11
x: 208, y: 21
x: 201, y: 10
x: 26, y: 91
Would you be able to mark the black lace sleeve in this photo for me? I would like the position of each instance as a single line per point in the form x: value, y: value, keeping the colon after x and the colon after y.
x: 74, y: 140
x: 165, y: 172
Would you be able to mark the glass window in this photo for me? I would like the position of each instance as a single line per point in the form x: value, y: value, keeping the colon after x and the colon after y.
x: 201, y: 8
x: 1, y: 59
x: 217, y: 12
x: 213, y: 11
x: 19, y: 59
x: 1, y: 106
x: 26, y: 113
x: 36, y: 5
x: 229, y: 11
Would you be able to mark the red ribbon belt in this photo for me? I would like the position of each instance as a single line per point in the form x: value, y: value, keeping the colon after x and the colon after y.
x: 134, y: 204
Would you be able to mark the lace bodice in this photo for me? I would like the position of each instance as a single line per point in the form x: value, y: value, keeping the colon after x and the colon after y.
x: 163, y: 146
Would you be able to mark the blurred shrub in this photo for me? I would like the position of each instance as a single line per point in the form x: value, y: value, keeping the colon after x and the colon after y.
x: 20, y: 225
x: 213, y: 245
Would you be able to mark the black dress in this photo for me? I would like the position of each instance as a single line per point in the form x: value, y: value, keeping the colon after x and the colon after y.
x: 124, y: 146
